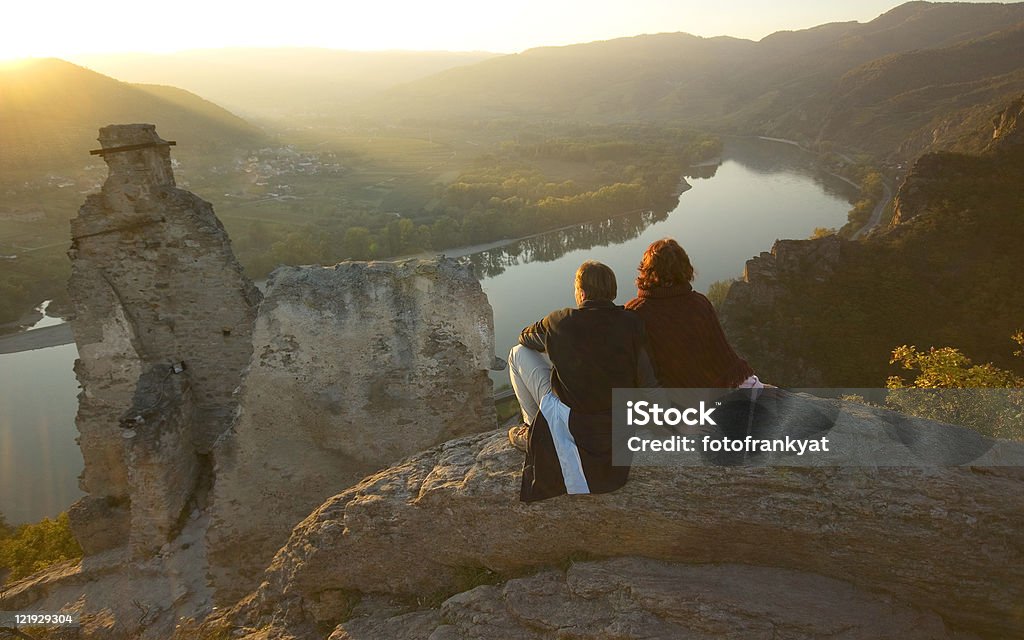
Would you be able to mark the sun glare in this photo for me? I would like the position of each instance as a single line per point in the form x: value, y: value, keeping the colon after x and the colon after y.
x: 65, y: 28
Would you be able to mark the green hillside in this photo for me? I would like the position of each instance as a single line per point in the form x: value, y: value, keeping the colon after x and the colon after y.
x: 50, y: 114
x: 50, y: 111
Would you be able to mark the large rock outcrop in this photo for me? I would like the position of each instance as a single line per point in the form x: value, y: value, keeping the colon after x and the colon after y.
x: 346, y: 369
x: 944, y: 539
x: 157, y: 292
x: 756, y: 313
x: 354, y: 366
x: 930, y: 175
x: 933, y: 173
x: 1008, y: 126
x: 642, y: 598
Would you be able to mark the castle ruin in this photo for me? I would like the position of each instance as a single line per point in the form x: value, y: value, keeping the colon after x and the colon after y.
x: 163, y: 320
x: 338, y: 371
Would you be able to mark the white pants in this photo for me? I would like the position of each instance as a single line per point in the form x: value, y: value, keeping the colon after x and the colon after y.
x: 530, y: 372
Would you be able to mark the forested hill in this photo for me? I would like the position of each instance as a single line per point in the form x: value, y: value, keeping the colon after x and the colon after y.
x: 50, y: 110
x: 916, y: 66
x: 945, y: 275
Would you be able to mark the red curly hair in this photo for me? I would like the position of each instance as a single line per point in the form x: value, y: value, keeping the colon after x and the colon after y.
x: 664, y: 264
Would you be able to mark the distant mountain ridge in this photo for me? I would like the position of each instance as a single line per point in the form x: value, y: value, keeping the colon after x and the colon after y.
x: 831, y: 83
x: 919, y: 77
x: 281, y: 82
x: 50, y: 110
x: 919, y: 90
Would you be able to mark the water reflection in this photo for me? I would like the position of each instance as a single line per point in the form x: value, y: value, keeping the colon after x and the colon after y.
x: 552, y: 246
x: 764, y: 158
x: 39, y: 458
x: 47, y: 320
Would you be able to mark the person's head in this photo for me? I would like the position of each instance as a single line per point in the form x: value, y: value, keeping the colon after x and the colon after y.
x: 595, y: 281
x: 664, y: 264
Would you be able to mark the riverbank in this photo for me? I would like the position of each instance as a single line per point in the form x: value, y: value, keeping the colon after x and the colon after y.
x: 27, y: 320
x: 60, y: 334
x: 52, y: 336
x: 461, y: 252
x: 880, y: 206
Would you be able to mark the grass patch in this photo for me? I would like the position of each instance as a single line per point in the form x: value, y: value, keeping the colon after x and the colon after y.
x: 506, y: 409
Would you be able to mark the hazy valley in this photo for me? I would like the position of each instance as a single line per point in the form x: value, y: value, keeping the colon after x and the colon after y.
x: 361, y: 155
x: 311, y: 454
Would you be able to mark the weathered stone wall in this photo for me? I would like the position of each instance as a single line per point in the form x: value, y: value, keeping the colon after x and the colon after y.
x: 354, y: 367
x: 163, y: 467
x: 154, y: 282
x: 108, y: 368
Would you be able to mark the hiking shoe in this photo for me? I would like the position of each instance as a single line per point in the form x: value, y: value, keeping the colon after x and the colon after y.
x: 519, y: 436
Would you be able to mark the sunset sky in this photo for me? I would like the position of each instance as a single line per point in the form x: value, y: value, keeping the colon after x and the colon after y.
x: 65, y: 28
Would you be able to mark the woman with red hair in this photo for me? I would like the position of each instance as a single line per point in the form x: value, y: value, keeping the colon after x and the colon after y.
x: 688, y: 346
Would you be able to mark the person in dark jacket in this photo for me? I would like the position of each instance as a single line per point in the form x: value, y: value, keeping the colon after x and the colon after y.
x: 688, y: 346
x: 563, y: 371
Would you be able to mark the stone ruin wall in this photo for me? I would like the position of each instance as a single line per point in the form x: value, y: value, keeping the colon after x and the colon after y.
x: 354, y: 367
x: 189, y: 396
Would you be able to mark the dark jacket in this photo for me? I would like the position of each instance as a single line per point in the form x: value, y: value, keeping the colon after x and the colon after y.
x: 689, y: 348
x: 593, y: 349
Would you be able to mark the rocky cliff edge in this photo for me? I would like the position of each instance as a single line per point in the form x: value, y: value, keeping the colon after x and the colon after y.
x: 937, y: 544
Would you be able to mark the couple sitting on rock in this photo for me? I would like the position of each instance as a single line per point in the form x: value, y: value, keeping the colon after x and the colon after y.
x: 565, y: 366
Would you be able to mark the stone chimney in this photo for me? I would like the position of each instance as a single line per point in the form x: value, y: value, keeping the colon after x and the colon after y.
x: 149, y: 167
x: 163, y: 316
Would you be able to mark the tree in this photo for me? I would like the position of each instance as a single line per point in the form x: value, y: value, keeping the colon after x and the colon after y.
x: 6, y: 530
x: 33, y: 547
x: 298, y: 247
x: 260, y: 235
x: 718, y: 291
x: 357, y: 243
x: 446, y: 232
x: 949, y: 387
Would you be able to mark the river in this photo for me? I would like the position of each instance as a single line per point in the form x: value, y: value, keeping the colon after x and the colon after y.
x: 39, y: 458
x: 760, y: 192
